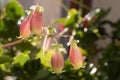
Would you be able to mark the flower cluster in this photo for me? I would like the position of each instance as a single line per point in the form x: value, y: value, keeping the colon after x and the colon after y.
x: 33, y: 25
x: 75, y: 58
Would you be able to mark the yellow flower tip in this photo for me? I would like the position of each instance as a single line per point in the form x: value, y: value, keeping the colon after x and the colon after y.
x: 39, y: 8
x: 77, y: 66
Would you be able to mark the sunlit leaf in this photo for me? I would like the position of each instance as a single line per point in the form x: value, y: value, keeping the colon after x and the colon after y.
x: 72, y: 12
x: 21, y: 59
x: 83, y: 51
x: 60, y: 20
x: 72, y: 17
x: 3, y: 67
x: 80, y: 33
x: 45, y: 57
x: 96, y: 31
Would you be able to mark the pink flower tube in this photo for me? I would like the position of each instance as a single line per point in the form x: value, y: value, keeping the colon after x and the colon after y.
x: 25, y: 31
x: 37, y: 21
x: 57, y: 62
x: 75, y: 56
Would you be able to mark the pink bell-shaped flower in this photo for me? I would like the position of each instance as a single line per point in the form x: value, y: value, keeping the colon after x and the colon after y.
x: 25, y: 31
x: 36, y: 23
x: 75, y: 56
x: 57, y: 62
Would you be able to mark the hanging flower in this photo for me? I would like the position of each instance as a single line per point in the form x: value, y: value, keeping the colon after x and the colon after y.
x: 25, y: 31
x: 75, y: 56
x: 57, y: 60
x: 37, y: 20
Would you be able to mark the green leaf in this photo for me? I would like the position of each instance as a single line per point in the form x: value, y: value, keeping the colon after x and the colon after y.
x: 72, y: 17
x: 72, y: 12
x: 21, y: 59
x: 96, y: 32
x: 43, y: 73
x: 45, y: 57
x: 1, y: 50
x: 32, y: 66
x: 61, y: 20
x: 103, y: 13
x: 83, y: 51
x: 2, y: 25
x: 14, y: 10
x: 4, y: 59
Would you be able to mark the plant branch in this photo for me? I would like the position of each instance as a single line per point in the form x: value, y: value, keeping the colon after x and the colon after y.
x: 83, y: 5
x: 3, y: 14
x: 63, y: 5
x: 13, y: 43
x: 10, y: 44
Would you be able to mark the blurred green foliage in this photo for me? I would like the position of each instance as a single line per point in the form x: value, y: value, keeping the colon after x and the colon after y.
x: 14, y: 10
x: 25, y: 61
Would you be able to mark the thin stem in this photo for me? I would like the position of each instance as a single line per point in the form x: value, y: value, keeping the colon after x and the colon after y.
x: 63, y: 5
x: 10, y: 44
x: 3, y: 14
x: 56, y: 42
x: 83, y: 5
x: 64, y: 36
x: 13, y: 43
x: 61, y: 34
x: 80, y: 10
x: 58, y: 36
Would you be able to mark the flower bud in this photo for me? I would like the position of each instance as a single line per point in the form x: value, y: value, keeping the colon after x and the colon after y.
x: 25, y: 31
x: 85, y: 23
x: 61, y: 26
x: 57, y: 62
x: 75, y: 56
x: 37, y: 21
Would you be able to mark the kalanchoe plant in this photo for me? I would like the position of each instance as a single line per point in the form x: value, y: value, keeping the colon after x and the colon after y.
x: 36, y: 58
x: 33, y: 24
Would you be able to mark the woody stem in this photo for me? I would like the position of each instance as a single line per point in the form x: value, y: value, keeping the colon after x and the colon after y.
x: 12, y: 43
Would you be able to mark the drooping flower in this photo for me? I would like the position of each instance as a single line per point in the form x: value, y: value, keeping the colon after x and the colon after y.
x: 25, y: 31
x: 75, y: 56
x: 37, y: 21
x: 57, y: 61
